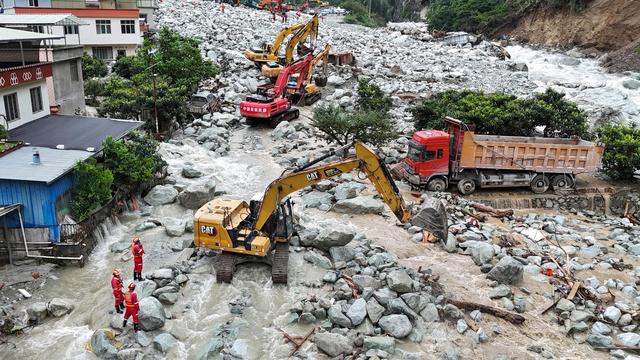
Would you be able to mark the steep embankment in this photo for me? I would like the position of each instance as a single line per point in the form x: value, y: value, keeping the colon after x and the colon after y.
x: 607, y: 25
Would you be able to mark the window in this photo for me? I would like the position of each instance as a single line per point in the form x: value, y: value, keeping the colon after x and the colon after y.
x: 143, y: 19
x: 73, y: 70
x: 37, y: 28
x: 70, y: 29
x: 103, y: 26
x: 33, y: 3
x: 103, y: 53
x: 11, y: 106
x: 440, y: 153
x: 429, y: 155
x: 128, y: 26
x: 122, y: 53
x: 36, y: 99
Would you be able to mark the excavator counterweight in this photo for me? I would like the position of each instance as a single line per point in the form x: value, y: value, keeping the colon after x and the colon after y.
x: 261, y: 230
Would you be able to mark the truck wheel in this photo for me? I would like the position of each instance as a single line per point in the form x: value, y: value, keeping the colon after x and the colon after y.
x: 540, y: 184
x: 562, y: 182
x: 466, y: 186
x: 437, y: 184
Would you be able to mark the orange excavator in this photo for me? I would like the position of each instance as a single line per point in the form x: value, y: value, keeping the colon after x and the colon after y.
x: 273, y: 103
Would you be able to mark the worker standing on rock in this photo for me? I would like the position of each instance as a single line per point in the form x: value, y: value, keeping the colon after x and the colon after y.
x: 137, y: 251
x: 116, y: 285
x: 132, y: 306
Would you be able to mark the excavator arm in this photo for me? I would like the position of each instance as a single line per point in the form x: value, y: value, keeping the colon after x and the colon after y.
x: 321, y: 56
x: 300, y: 66
x: 283, y: 34
x: 365, y: 160
x: 310, y: 29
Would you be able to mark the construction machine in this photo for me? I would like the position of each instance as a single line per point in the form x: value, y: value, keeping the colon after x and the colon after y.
x: 273, y: 102
x: 271, y: 52
x: 261, y: 229
x: 271, y: 69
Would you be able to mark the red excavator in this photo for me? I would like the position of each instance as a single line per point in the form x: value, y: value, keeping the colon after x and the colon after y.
x: 273, y: 102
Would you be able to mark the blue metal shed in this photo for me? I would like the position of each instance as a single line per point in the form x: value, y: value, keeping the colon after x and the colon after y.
x: 38, y: 186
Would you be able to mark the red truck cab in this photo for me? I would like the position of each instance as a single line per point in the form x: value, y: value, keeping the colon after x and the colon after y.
x: 427, y: 161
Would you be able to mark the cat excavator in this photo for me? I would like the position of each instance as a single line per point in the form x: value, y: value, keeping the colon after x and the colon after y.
x: 261, y: 229
x: 271, y: 52
x: 271, y: 69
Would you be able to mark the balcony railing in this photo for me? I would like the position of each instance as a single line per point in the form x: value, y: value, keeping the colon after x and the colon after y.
x: 104, y: 4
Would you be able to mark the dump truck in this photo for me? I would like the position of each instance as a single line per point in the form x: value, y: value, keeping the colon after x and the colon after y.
x: 437, y: 158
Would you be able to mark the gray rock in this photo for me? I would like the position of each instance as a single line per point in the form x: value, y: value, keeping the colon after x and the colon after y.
x: 578, y: 315
x: 359, y: 205
x: 430, y: 313
x: 120, y: 246
x: 333, y: 344
x: 481, y: 252
x: 579, y: 327
x: 412, y: 300
x: 190, y: 172
x: 374, y: 310
x: 399, y: 281
x: 168, y: 298
x: 330, y: 277
x: 398, y: 306
x: 181, y: 279
x: 365, y: 281
x: 507, y: 271
x: 174, y: 227
x: 461, y: 326
x: 396, y: 325
x: 130, y: 354
x: 600, y: 328
x: 357, y: 311
x: 161, y: 195
x: 145, y: 288
x: 37, y: 311
x: 331, y: 236
x: 58, y: 307
x: 151, y: 315
x: 347, y: 190
x: 452, y: 312
x: 342, y: 253
x: 335, y: 80
x: 307, y: 318
x: 337, y: 317
x: 625, y: 320
x: 164, y: 342
x: 145, y: 225
x: 569, y: 61
x: 612, y: 314
x: 103, y: 344
x: 196, y: 195
x: 163, y: 273
x: 315, y: 199
x: 597, y: 340
x: 384, y: 343
x: 631, y: 84
x: 283, y: 130
x: 500, y: 291
x: 240, y: 348
x: 318, y: 259
x: 380, y: 259
x: 628, y: 339
x: 142, y: 339
x: 384, y: 295
x: 211, y: 349
x: 565, y: 305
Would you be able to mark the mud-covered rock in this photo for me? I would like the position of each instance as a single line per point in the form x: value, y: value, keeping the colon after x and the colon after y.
x: 333, y: 344
x: 58, y: 307
x: 104, y: 344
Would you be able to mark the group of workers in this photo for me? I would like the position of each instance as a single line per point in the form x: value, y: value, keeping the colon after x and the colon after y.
x: 129, y: 301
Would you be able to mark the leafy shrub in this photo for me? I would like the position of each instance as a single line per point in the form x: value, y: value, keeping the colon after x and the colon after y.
x: 371, y: 98
x: 93, y: 67
x: 3, y: 132
x: 92, y: 89
x: 343, y: 128
x: 476, y: 16
x: 622, y: 150
x: 93, y: 188
x: 503, y: 114
x: 127, y: 67
x: 129, y: 164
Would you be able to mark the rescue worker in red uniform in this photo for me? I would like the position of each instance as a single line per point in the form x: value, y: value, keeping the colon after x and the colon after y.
x: 137, y: 251
x: 132, y: 307
x: 116, y: 285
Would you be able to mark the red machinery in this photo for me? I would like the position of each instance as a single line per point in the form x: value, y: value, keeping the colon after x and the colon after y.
x: 273, y: 102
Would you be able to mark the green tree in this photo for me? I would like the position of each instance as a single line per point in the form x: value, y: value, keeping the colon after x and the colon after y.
x: 371, y: 98
x: 622, y: 150
x: 129, y: 167
x: 93, y: 188
x: 92, y: 89
x: 3, y: 132
x: 476, y: 16
x: 128, y: 66
x: 93, y: 67
x: 343, y: 128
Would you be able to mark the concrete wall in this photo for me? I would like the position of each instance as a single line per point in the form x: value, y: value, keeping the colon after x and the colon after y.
x: 69, y: 94
x: 24, y: 102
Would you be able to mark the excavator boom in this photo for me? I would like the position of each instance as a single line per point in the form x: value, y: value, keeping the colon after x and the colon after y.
x: 365, y: 160
x: 310, y: 30
x: 270, y: 52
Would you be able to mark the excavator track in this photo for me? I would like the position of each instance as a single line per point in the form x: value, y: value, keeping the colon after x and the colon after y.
x: 280, y: 266
x: 226, y: 267
x: 288, y: 115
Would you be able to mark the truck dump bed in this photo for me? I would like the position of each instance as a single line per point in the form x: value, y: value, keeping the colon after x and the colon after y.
x: 551, y: 155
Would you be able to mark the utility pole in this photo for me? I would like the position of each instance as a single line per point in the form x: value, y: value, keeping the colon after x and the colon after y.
x: 369, y: 9
x: 155, y: 104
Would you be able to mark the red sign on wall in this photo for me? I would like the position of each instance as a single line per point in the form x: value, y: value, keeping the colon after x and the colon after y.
x: 23, y: 74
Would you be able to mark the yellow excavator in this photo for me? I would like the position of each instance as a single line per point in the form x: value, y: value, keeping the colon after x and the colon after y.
x: 271, y: 70
x: 271, y: 52
x: 261, y: 229
x: 309, y: 31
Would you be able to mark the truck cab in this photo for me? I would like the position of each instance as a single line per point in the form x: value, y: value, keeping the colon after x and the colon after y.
x: 427, y: 161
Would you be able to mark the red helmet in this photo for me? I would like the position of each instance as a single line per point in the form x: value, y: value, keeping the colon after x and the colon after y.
x: 132, y: 286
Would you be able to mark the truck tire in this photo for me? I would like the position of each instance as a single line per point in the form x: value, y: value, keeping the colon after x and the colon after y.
x: 540, y: 184
x: 466, y: 186
x: 437, y: 184
x: 562, y: 182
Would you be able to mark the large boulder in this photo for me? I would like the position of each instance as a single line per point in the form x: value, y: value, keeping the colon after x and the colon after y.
x: 399, y: 281
x: 384, y: 343
x: 190, y: 172
x: 164, y: 273
x: 481, y: 252
x: 396, y: 325
x: 357, y: 311
x: 337, y: 317
x: 164, y: 342
x: 174, y: 227
x: 196, y: 195
x: 335, y: 80
x: 314, y: 199
x: 348, y: 190
x: 359, y: 205
x: 145, y: 288
x: 283, y: 130
x: 120, y: 246
x: 333, y: 344
x: 104, y: 344
x: 59, y: 307
x: 37, y: 311
x: 318, y: 259
x: 507, y: 271
x: 342, y: 253
x: 161, y: 194
x: 330, y: 236
x: 151, y: 315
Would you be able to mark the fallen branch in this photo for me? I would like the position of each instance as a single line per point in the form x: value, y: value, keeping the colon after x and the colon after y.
x: 491, y: 211
x: 621, y: 347
x: 550, y: 306
x: 296, y: 340
x: 503, y: 314
x: 354, y: 288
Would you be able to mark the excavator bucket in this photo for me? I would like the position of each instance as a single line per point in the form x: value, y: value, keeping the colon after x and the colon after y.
x: 432, y: 217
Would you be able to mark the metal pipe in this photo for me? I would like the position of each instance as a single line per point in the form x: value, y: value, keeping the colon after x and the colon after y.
x: 26, y: 247
x: 5, y: 232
